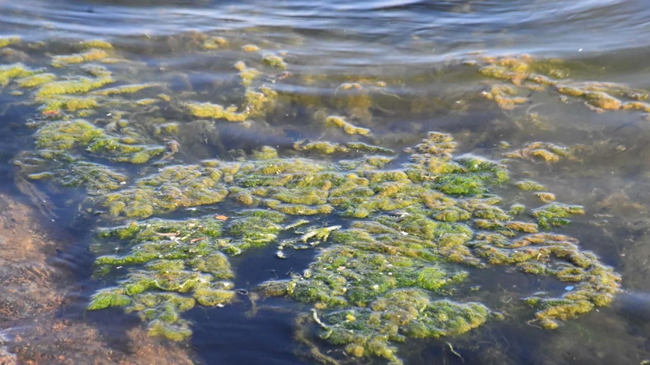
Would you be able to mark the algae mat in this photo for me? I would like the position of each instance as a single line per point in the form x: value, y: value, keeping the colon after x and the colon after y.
x: 175, y: 192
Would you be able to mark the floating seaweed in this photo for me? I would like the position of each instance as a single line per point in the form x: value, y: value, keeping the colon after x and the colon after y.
x: 373, y: 286
x: 409, y: 226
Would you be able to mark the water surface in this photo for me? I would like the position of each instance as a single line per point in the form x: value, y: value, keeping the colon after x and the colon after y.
x: 400, y: 69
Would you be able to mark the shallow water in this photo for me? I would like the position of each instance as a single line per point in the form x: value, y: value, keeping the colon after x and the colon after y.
x: 397, y: 68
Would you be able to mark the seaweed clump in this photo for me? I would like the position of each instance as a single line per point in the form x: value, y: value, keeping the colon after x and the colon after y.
x: 274, y: 61
x: 96, y: 178
x: 172, y: 266
x: 379, y: 280
x: 170, y: 189
x: 542, y: 151
x: 407, y: 233
x: 80, y: 85
x: 15, y: 71
x: 213, y: 43
x: 56, y: 138
x: 35, y: 80
x: 215, y: 111
x: 64, y: 146
x: 363, y: 283
x: 347, y: 127
x: 175, y: 265
x: 93, y: 54
x: 529, y: 73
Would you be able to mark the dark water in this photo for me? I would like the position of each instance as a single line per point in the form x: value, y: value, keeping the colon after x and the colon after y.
x: 410, y: 57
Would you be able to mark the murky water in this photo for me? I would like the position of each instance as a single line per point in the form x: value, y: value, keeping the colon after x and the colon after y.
x: 217, y: 81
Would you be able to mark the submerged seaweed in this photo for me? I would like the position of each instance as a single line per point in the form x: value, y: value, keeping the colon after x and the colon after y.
x: 373, y: 285
x: 409, y: 227
x: 528, y: 73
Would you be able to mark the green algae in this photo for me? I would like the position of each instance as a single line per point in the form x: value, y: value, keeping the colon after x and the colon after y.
x: 378, y: 256
x: 213, y: 43
x: 527, y: 185
x: 60, y: 142
x: 215, y: 111
x: 170, y: 189
x: 108, y: 298
x: 368, y: 332
x: 542, y: 151
x: 35, y: 80
x: 259, y: 103
x: 69, y: 103
x: 555, y: 214
x: 88, y: 56
x: 124, y: 150
x: 247, y: 74
x: 389, y: 272
x: 125, y: 89
x: 250, y: 48
x: 68, y: 135
x: 366, y: 286
x: 545, y: 197
x: 363, y: 147
x: 347, y: 127
x: 15, y: 71
x: 167, y: 128
x: 162, y: 310
x: 325, y: 147
x: 65, y: 135
x: 94, y: 177
x: 505, y: 96
x: 321, y: 146
x: 96, y: 70
x: 413, y: 226
x: 528, y: 73
x: 265, y: 153
x: 144, y: 102
x: 274, y: 61
x: 174, y: 265
x: 80, y: 85
x: 9, y: 40
x: 96, y: 44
